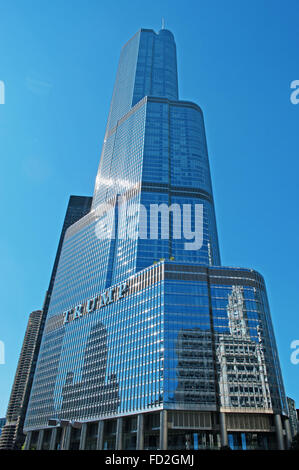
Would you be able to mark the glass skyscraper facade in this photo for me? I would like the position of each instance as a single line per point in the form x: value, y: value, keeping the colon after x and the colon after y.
x: 12, y: 436
x: 149, y: 342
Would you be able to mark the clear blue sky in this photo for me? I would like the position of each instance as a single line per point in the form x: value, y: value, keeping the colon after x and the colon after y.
x: 236, y: 59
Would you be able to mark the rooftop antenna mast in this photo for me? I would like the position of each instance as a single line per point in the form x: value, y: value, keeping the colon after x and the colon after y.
x: 163, y: 23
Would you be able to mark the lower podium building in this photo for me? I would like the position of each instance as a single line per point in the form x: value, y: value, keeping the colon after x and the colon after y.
x: 176, y: 357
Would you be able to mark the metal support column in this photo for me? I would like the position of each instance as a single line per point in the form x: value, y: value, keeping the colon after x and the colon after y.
x: 223, y: 430
x: 119, y: 434
x: 163, y: 430
x: 28, y: 440
x: 66, y: 438
x: 83, y: 436
x: 140, y: 432
x: 53, y: 439
x: 40, y: 440
x: 279, y: 434
x: 100, y: 438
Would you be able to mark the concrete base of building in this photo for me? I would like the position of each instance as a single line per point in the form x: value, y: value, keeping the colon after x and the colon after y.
x: 12, y: 437
x: 168, y: 430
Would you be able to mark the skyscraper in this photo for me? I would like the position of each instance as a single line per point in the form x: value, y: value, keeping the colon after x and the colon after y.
x: 149, y: 342
x: 12, y: 436
x: 78, y: 207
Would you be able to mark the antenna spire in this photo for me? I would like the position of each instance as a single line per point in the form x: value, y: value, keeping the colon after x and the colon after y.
x: 163, y: 23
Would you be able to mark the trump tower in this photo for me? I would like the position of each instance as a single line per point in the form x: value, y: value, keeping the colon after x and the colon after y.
x: 149, y: 343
